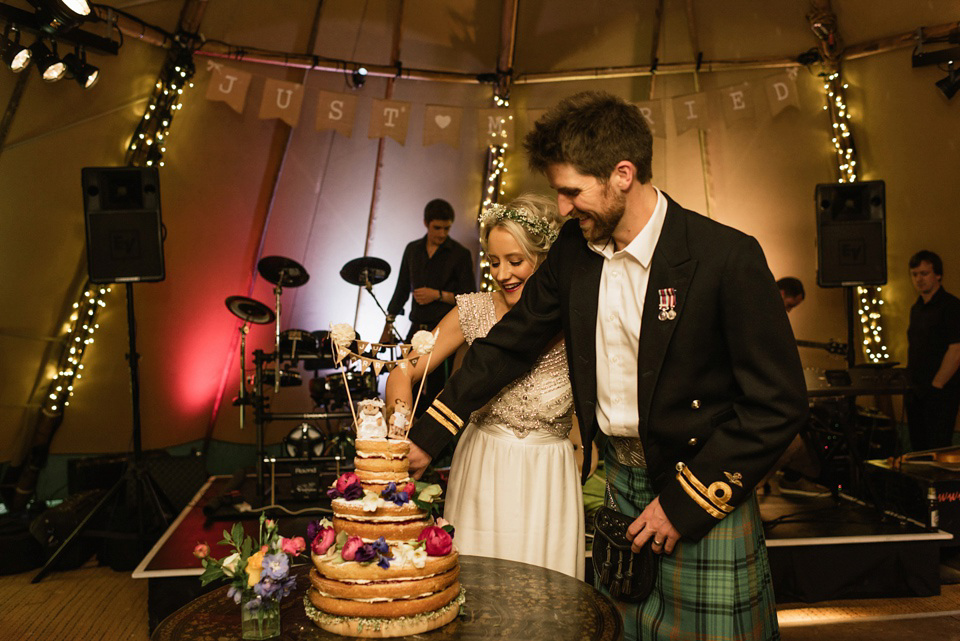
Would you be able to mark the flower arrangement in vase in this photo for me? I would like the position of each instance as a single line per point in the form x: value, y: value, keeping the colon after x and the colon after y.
x: 259, y: 574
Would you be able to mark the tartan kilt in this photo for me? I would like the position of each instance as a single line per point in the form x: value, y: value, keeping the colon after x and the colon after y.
x: 718, y: 589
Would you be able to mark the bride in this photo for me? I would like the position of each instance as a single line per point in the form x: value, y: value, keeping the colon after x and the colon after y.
x: 514, y: 490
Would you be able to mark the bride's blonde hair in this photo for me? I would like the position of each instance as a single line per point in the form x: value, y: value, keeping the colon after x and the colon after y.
x: 532, y: 220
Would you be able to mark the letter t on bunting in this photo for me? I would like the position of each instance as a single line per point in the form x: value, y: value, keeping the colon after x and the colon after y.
x: 389, y: 118
x: 228, y: 85
x: 281, y: 100
x: 336, y: 111
x: 442, y: 124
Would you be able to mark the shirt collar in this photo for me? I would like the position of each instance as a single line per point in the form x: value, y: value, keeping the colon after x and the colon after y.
x: 642, y: 246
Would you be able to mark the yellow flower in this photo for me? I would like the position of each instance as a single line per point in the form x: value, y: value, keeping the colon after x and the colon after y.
x: 254, y: 567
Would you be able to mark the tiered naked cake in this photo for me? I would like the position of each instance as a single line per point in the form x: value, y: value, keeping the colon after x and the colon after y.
x: 383, y: 567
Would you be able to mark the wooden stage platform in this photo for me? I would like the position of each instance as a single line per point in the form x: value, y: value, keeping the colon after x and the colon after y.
x: 820, y: 548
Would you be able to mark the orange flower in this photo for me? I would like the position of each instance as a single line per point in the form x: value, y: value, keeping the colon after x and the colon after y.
x: 254, y: 568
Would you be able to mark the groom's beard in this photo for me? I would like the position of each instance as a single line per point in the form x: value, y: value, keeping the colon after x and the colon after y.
x: 605, y: 220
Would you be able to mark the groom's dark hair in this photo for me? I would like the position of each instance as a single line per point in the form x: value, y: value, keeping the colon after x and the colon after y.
x: 592, y: 131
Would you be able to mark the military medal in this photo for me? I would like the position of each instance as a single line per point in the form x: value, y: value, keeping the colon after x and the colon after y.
x: 668, y: 304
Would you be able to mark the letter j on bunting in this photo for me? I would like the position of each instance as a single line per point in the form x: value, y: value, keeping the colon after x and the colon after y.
x: 228, y: 85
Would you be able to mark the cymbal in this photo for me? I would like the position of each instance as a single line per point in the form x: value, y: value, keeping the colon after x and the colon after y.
x: 282, y: 271
x: 250, y: 310
x: 365, y: 270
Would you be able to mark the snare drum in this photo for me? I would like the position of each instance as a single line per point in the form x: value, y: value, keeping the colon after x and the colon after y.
x: 296, y: 343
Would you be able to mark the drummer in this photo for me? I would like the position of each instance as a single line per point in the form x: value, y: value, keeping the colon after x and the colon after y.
x: 435, y: 268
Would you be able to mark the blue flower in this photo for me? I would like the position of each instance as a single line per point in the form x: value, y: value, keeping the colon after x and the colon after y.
x: 384, y: 562
x: 288, y: 584
x: 234, y: 593
x: 380, y: 545
x: 276, y: 566
x: 267, y: 588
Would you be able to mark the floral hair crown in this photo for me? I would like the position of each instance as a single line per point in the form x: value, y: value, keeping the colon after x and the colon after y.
x: 497, y: 212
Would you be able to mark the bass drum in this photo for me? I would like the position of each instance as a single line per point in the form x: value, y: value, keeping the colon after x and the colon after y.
x: 324, y: 355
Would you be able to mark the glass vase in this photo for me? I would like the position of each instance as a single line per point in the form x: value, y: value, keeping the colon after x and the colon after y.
x: 259, y: 618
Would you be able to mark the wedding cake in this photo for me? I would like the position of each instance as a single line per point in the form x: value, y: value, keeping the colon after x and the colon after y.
x: 383, y: 567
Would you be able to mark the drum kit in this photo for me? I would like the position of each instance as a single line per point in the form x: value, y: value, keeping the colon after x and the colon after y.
x: 292, y: 346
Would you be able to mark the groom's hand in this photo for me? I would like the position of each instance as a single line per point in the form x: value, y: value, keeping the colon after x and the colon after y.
x: 653, y: 523
x: 419, y: 460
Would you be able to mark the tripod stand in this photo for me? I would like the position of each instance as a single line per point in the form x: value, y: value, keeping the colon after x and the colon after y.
x: 135, y: 477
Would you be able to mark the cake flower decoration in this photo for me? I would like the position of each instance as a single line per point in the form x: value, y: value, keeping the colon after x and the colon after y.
x: 342, y: 335
x: 423, y: 342
x: 438, y: 541
x: 347, y: 487
x: 398, y: 497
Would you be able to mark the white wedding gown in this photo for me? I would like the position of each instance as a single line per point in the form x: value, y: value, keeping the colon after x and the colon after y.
x: 514, y: 490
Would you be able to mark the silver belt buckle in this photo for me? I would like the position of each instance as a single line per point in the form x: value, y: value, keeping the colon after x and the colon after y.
x: 628, y: 451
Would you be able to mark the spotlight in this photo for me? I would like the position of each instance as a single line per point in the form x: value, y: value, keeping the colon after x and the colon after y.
x: 948, y: 86
x: 15, y: 55
x: 61, y: 15
x: 48, y: 64
x: 84, y: 73
x: 359, y: 77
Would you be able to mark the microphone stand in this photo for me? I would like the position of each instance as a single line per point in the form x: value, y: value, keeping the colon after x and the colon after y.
x: 369, y: 287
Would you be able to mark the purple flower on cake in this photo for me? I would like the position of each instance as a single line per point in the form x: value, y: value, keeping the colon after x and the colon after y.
x: 349, y: 551
x: 390, y: 493
x: 365, y: 553
x: 438, y: 541
x: 322, y: 541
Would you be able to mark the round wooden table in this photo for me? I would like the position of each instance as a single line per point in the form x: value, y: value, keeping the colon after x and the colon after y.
x: 505, y: 600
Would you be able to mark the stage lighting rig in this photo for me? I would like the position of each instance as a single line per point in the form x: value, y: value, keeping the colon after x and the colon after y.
x: 53, y: 22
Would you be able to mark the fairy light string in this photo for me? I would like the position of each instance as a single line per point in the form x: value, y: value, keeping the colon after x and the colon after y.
x: 869, y: 299
x: 494, y: 182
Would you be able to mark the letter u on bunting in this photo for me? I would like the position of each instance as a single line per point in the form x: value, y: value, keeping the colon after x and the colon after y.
x: 281, y: 100
x: 228, y: 85
x: 336, y: 111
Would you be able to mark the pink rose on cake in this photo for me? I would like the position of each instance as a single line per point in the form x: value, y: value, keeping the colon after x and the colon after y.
x: 349, y: 551
x: 438, y: 541
x: 347, y: 487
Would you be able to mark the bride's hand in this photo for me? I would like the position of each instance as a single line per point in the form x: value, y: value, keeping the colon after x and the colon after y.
x: 419, y: 460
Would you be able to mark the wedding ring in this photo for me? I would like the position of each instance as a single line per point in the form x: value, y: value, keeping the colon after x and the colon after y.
x: 656, y: 542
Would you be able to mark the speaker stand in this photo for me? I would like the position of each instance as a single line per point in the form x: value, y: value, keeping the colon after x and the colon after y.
x: 136, y: 474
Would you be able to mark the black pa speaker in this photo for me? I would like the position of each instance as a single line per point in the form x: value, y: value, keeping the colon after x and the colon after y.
x: 851, y: 234
x: 121, y: 208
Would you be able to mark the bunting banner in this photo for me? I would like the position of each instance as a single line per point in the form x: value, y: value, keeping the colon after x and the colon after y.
x: 737, y: 104
x: 281, y: 100
x: 443, y: 124
x: 228, y: 85
x: 690, y: 112
x: 655, y: 116
x: 494, y: 127
x: 336, y: 111
x: 389, y: 118
x: 782, y: 92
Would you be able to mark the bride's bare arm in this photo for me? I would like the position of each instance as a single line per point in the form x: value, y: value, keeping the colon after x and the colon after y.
x: 401, y: 381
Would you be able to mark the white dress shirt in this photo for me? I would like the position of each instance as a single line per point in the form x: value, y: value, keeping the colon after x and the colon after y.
x: 623, y: 286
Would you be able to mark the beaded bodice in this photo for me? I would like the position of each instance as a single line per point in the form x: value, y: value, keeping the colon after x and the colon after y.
x: 541, y: 399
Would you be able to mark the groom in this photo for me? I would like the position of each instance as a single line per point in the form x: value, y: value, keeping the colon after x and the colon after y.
x: 679, y: 350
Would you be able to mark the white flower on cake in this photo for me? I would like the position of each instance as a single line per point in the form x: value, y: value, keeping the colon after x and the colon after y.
x: 342, y: 335
x: 423, y: 342
x: 370, y: 423
x: 370, y: 501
